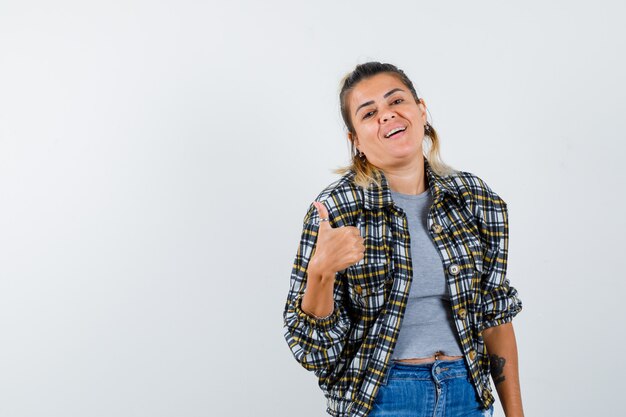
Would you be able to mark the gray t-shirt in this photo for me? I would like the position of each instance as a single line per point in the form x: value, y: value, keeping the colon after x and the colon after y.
x: 427, y: 326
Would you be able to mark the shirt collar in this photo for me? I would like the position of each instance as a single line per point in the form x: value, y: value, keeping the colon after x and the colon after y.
x: 377, y: 197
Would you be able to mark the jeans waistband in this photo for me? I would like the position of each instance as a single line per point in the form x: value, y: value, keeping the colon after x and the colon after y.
x: 440, y: 368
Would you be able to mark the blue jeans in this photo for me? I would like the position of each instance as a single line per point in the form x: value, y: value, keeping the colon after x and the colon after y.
x: 437, y: 389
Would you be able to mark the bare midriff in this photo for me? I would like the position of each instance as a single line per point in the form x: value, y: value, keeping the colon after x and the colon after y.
x: 436, y: 356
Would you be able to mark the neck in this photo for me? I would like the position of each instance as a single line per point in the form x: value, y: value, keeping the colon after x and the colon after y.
x: 409, y: 179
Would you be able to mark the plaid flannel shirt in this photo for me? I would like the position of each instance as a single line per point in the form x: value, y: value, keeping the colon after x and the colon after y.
x: 350, y: 351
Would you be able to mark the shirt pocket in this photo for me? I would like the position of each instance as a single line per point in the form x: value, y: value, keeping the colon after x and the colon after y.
x: 366, y: 287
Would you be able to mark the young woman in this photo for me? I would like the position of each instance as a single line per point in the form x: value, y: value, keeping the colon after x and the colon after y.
x: 399, y: 300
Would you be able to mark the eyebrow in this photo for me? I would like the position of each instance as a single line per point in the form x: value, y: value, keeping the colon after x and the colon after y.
x: 367, y: 103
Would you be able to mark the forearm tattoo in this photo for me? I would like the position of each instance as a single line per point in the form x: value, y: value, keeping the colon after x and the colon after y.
x: 497, y: 368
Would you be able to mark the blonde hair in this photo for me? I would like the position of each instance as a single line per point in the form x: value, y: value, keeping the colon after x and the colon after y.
x: 365, y: 172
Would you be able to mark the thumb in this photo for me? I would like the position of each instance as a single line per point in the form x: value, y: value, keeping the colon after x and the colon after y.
x: 323, y: 213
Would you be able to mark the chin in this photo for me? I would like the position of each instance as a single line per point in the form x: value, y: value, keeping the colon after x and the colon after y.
x: 408, y: 150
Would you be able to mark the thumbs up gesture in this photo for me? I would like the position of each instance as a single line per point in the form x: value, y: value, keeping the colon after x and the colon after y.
x: 337, y: 247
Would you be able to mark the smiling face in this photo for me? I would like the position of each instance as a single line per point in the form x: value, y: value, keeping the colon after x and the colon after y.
x: 378, y: 106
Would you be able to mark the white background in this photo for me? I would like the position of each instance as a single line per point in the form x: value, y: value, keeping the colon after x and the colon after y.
x: 157, y: 159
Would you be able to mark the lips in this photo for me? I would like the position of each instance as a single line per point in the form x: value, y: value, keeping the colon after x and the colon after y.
x: 397, y: 133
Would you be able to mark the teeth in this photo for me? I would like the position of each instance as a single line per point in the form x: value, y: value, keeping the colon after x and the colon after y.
x: 397, y: 129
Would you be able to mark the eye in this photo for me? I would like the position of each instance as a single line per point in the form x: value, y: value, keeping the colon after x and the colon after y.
x: 367, y: 114
x: 398, y: 100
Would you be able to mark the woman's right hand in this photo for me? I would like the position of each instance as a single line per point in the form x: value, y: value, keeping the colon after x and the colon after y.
x: 337, y: 247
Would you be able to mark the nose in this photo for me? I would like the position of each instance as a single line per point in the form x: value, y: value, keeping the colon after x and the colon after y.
x: 387, y: 115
